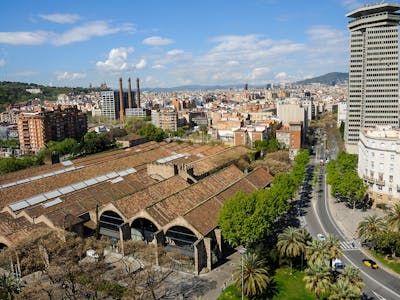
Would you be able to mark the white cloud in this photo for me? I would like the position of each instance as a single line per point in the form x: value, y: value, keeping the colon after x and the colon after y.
x: 2, y: 62
x: 232, y: 63
x: 327, y: 46
x: 25, y: 38
x: 61, y: 18
x: 79, y: 33
x: 259, y: 72
x: 70, y: 76
x: 175, y: 52
x: 281, y: 75
x: 158, y: 67
x: 141, y: 64
x: 157, y: 41
x: 89, y: 30
x: 117, y: 60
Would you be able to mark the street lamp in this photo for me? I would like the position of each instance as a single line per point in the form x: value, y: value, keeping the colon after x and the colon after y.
x: 242, y: 251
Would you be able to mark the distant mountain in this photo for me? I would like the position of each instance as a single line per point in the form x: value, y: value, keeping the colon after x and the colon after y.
x: 332, y: 78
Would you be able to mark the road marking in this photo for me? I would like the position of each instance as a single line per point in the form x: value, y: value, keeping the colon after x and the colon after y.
x: 378, y: 296
x: 348, y: 245
x: 348, y: 259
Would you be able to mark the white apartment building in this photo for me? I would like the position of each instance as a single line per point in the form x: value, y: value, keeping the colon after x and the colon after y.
x: 379, y: 163
x: 373, y: 74
x: 108, y: 105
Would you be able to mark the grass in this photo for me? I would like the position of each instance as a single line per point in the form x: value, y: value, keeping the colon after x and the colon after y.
x: 290, y: 287
x: 231, y: 293
x: 390, y: 263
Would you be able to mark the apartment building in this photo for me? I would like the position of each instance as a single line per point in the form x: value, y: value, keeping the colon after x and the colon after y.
x: 166, y: 118
x: 35, y: 129
x: 379, y: 163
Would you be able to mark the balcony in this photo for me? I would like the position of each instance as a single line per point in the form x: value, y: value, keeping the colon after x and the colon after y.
x: 380, y: 182
x: 398, y: 188
x: 369, y: 179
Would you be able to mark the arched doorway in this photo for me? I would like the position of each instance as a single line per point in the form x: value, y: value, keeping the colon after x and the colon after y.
x: 182, y: 238
x: 2, y: 246
x: 143, y: 230
x: 109, y: 224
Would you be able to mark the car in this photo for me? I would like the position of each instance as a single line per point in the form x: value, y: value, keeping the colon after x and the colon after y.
x: 321, y: 237
x: 370, y: 263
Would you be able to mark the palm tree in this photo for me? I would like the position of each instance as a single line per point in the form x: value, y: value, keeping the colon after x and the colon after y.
x: 344, y: 290
x: 352, y: 275
x: 333, y: 248
x: 316, y: 251
x: 369, y: 228
x: 255, y: 275
x: 8, y: 286
x: 318, y: 279
x: 291, y: 243
x: 393, y: 219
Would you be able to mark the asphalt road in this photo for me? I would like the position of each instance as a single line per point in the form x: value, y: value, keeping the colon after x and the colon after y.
x: 379, y: 284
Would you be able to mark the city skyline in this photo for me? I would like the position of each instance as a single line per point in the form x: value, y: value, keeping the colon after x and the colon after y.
x: 173, y: 43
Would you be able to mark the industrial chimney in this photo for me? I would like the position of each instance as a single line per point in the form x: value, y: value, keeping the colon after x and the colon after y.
x: 137, y: 93
x: 121, y: 100
x: 129, y: 93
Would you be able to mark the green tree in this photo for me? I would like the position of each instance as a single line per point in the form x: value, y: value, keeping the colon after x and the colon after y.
x: 316, y: 251
x: 235, y: 219
x: 341, y: 129
x: 352, y: 275
x: 318, y: 279
x: 291, y: 243
x: 370, y: 228
x: 393, y: 218
x: 343, y: 290
x: 273, y: 145
x: 333, y: 248
x: 255, y: 276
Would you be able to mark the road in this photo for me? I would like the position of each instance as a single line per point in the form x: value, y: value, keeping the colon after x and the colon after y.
x: 379, y: 284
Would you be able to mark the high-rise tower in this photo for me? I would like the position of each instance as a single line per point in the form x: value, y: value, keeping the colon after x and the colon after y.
x: 374, y: 73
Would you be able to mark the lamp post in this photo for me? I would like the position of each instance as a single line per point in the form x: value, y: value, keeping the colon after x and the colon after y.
x: 242, y: 251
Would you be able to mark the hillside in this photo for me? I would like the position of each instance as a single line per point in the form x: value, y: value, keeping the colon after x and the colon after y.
x: 332, y: 78
x: 14, y: 92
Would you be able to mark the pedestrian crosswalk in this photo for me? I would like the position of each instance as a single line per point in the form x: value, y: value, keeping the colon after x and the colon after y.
x: 348, y: 245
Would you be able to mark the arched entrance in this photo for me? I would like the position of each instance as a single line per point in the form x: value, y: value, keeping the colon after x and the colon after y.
x: 2, y: 246
x: 109, y: 224
x: 182, y: 238
x: 143, y: 230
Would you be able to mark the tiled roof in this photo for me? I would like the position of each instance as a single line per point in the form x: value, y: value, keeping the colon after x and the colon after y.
x: 132, y: 204
x: 218, y: 159
x: 204, y: 216
x: 177, y: 204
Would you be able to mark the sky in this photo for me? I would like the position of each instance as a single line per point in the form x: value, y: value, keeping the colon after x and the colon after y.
x: 168, y: 43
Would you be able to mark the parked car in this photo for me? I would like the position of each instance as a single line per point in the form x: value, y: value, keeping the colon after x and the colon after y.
x: 321, y: 237
x: 370, y: 263
x: 337, y: 265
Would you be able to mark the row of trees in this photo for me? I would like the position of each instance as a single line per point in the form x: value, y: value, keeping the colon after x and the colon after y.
x: 382, y: 233
x: 344, y: 180
x: 10, y: 143
x: 247, y: 218
x: 320, y: 277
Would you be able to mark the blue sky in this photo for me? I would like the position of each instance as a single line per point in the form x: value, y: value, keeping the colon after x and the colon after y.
x: 172, y: 42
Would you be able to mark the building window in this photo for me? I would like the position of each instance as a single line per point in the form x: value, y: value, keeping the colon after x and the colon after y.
x: 380, y: 187
x: 391, y: 178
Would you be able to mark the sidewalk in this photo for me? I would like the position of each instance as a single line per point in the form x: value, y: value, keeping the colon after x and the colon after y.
x: 222, y: 276
x: 347, y: 220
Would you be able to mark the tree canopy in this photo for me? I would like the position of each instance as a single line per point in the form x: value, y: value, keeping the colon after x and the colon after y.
x: 246, y: 218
